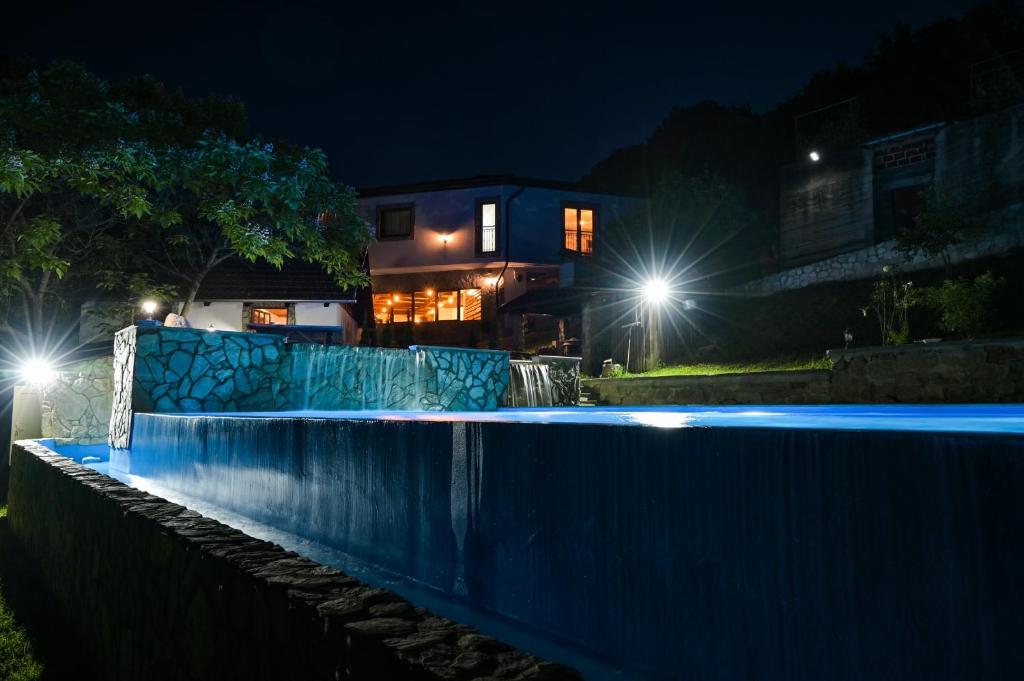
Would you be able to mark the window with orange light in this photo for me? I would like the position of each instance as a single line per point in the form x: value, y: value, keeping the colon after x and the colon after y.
x: 423, y: 307
x: 268, y: 315
x: 471, y: 304
x: 578, y: 225
x: 448, y: 306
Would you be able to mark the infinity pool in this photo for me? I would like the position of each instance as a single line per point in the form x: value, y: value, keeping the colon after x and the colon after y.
x: 934, y: 418
x: 841, y: 542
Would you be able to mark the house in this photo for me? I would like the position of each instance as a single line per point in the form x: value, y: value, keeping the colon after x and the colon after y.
x: 448, y: 253
x: 841, y: 209
x: 239, y: 295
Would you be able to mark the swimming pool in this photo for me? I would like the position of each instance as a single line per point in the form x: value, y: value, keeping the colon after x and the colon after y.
x: 720, y: 543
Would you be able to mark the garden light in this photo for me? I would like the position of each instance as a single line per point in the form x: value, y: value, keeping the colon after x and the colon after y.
x: 37, y: 371
x: 655, y: 291
x: 814, y: 156
x: 149, y: 307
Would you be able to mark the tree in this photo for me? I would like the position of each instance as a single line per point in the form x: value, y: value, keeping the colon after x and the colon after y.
x: 133, y: 190
x: 223, y: 198
x: 946, y: 219
x: 69, y: 172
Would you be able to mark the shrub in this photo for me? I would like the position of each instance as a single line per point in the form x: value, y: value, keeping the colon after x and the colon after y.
x: 965, y: 306
x: 891, y: 300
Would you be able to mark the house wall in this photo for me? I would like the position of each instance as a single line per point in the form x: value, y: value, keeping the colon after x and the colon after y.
x: 535, y: 216
x: 225, y: 316
x: 843, y: 203
x: 318, y: 314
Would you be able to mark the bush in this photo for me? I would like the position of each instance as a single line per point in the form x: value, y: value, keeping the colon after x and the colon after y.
x: 965, y: 306
x: 891, y: 301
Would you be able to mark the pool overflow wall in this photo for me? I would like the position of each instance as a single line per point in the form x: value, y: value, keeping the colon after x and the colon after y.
x: 172, y: 370
x: 156, y: 591
x: 708, y: 553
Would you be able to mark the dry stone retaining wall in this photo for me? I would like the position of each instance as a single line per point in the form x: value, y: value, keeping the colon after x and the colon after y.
x: 941, y: 373
x: 157, y: 591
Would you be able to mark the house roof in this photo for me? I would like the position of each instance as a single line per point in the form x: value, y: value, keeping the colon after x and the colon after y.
x: 478, y: 181
x: 238, y: 279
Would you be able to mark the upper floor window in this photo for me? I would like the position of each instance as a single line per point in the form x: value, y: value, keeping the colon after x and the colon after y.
x: 395, y: 221
x: 486, y: 226
x: 579, y: 229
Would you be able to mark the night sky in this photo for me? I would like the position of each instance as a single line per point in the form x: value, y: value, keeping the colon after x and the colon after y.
x: 398, y: 93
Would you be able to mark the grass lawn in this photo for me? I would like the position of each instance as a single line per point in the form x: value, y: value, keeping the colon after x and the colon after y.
x: 712, y: 368
x: 17, y: 659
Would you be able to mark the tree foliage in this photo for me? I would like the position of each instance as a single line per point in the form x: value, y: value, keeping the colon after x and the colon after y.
x: 945, y: 220
x: 134, y: 190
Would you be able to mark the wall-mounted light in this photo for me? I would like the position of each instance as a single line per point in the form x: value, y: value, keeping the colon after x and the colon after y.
x: 491, y: 281
x: 814, y: 156
x: 445, y: 238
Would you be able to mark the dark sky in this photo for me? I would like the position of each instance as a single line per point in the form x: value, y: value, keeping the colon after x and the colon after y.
x: 398, y: 93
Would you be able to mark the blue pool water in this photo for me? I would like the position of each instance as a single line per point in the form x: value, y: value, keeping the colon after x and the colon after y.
x: 651, y: 543
x: 930, y: 418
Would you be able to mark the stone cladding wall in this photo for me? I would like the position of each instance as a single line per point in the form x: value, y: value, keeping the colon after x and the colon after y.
x: 156, y: 591
x: 76, y: 404
x: 867, y: 263
x: 175, y: 370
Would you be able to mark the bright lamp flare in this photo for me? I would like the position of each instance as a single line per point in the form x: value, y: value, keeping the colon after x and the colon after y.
x: 149, y: 307
x: 655, y: 291
x: 37, y: 371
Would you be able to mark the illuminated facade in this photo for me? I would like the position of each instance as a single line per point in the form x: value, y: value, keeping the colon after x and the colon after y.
x: 447, y: 253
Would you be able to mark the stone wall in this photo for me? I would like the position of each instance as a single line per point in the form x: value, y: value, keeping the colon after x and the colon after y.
x: 76, y: 404
x: 176, y: 370
x: 867, y: 263
x: 770, y: 387
x: 565, y: 378
x: 156, y: 591
x: 979, y: 371
x: 952, y: 372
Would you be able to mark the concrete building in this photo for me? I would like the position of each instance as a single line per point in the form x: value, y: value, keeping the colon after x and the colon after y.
x: 839, y: 215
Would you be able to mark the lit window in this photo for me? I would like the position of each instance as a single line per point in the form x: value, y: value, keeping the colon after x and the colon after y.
x: 579, y: 229
x: 486, y: 226
x: 425, y: 303
x: 423, y: 307
x: 382, y: 308
x: 448, y: 306
x: 471, y: 304
x: 269, y: 315
x: 395, y: 222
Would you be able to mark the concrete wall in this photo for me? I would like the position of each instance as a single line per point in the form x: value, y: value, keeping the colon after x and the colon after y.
x: 155, y: 591
x: 958, y: 372
x: 224, y: 316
